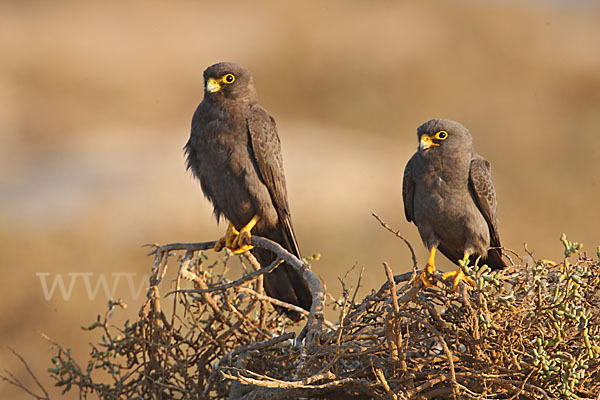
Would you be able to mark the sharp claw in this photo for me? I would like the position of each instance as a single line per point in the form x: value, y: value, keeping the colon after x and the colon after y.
x: 242, y: 249
x: 242, y: 243
x: 458, y: 275
x: 426, y: 276
x: 219, y: 245
x: 244, y: 239
x: 230, y: 237
x: 237, y: 241
x: 425, y: 280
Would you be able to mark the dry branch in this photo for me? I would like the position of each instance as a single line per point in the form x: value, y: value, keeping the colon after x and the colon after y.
x: 528, y: 332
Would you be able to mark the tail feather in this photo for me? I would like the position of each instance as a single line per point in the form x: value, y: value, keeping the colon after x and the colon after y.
x: 494, y: 259
x: 284, y: 283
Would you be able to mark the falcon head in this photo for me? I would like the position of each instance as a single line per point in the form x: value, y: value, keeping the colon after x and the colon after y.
x: 229, y: 80
x: 442, y: 135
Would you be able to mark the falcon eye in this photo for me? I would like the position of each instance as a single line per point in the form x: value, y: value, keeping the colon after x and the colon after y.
x: 229, y: 78
x: 441, y: 135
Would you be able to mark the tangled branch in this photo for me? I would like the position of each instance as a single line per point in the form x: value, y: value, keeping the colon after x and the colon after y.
x: 527, y: 332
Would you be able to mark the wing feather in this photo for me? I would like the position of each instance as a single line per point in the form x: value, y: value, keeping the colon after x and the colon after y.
x: 408, y: 192
x: 484, y: 194
x: 267, y: 153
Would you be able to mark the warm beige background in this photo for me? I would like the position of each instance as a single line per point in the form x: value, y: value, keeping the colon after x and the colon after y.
x: 96, y: 102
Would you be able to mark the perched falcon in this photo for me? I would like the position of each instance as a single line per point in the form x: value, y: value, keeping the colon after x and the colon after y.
x: 234, y: 151
x: 449, y: 195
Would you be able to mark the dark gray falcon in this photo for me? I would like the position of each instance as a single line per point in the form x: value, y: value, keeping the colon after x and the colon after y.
x: 449, y: 195
x: 234, y: 151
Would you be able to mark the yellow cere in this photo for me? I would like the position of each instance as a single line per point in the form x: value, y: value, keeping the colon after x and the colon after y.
x: 426, y: 142
x: 212, y: 85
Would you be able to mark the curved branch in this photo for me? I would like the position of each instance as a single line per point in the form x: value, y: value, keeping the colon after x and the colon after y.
x: 315, y: 319
x: 315, y: 316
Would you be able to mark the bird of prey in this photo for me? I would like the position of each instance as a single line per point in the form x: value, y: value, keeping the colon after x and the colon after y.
x: 234, y: 151
x: 449, y: 195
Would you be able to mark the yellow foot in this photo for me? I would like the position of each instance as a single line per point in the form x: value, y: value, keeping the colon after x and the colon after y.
x: 237, y: 241
x: 227, y: 240
x: 241, y: 241
x: 426, y: 278
x: 231, y: 236
x: 458, y: 275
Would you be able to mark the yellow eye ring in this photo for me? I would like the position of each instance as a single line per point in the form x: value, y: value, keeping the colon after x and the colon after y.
x: 441, y: 135
x: 228, y: 78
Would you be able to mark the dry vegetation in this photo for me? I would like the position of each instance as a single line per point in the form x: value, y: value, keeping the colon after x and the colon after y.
x: 531, y: 331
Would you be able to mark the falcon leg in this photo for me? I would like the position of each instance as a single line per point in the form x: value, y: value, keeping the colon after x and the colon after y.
x: 241, y: 243
x: 429, y: 268
x: 237, y: 241
x: 227, y: 240
x: 459, y: 275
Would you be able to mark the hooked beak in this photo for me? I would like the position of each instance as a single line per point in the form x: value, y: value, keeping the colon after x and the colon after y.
x: 212, y: 85
x: 426, y: 142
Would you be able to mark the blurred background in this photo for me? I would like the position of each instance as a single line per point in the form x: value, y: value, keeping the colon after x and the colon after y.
x: 96, y: 102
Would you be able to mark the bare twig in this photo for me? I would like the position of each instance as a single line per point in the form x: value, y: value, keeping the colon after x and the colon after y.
x: 238, y: 282
x: 532, y: 332
x: 11, y: 379
x: 397, y: 233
